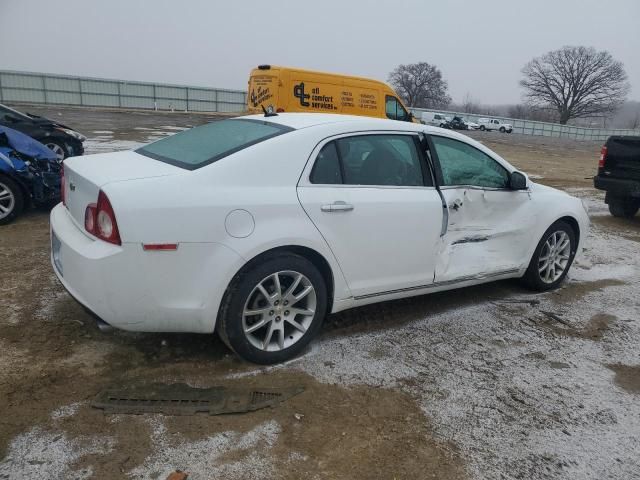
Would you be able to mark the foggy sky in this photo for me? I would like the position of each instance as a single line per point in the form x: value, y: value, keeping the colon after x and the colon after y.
x: 480, y: 46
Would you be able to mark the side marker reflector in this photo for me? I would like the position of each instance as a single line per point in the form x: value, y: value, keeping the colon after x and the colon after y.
x: 159, y: 246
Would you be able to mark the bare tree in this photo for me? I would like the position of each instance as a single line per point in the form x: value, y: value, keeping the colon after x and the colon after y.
x: 577, y: 81
x: 420, y: 85
x: 469, y: 104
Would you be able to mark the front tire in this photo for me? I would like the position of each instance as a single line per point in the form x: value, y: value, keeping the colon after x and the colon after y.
x: 11, y: 200
x: 502, y: 130
x: 482, y: 127
x: 552, y: 258
x: 623, y: 207
x: 273, y: 310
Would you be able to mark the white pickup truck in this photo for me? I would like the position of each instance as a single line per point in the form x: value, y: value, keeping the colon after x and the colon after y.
x: 494, y: 124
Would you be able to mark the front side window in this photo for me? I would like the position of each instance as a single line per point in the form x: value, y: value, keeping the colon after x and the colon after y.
x: 395, y: 110
x: 380, y: 160
x: 463, y: 164
x: 200, y: 146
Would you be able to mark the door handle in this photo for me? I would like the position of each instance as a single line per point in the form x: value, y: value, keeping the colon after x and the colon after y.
x: 338, y: 206
x: 456, y: 204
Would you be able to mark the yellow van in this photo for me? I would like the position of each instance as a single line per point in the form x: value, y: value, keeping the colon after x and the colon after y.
x: 282, y: 89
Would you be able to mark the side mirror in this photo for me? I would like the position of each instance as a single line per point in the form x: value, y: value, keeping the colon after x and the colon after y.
x: 518, y: 181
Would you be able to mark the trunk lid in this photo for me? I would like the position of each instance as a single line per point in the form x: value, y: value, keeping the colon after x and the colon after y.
x: 85, y: 176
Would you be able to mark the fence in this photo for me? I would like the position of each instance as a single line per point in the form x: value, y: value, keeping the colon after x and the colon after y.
x: 530, y: 127
x: 40, y: 88
x: 23, y: 87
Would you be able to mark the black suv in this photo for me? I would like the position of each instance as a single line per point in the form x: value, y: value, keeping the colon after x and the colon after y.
x: 64, y: 141
x: 619, y: 175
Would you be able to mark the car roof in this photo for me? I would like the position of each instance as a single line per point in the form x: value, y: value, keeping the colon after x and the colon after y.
x: 353, y: 123
x: 338, y: 124
x: 299, y: 121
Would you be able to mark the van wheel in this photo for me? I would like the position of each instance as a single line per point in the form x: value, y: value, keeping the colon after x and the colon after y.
x: 552, y: 258
x: 11, y: 200
x: 273, y: 310
x: 482, y: 128
x: 623, y: 207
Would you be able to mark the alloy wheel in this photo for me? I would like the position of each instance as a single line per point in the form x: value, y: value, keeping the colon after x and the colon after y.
x: 554, y: 256
x: 7, y: 201
x: 279, y: 311
x: 58, y: 150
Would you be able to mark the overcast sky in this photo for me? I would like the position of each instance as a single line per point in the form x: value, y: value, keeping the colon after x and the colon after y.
x: 480, y: 46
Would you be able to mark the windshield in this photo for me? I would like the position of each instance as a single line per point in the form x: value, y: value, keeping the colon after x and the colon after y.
x: 203, y: 145
x: 5, y: 109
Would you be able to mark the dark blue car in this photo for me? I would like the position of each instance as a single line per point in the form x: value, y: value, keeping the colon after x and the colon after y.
x: 29, y: 174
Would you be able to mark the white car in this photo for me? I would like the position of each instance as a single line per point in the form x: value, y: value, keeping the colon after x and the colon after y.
x: 257, y: 227
x: 472, y: 125
x: 494, y: 124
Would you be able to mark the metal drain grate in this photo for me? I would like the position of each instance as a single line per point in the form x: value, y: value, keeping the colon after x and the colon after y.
x: 259, y: 398
x: 182, y: 399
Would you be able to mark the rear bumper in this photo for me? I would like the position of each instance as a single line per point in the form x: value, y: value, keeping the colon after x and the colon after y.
x: 617, y: 186
x: 130, y: 289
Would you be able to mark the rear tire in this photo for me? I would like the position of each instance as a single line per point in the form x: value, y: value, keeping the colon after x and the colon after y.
x: 11, y: 200
x: 623, y: 207
x: 272, y: 329
x: 551, y: 259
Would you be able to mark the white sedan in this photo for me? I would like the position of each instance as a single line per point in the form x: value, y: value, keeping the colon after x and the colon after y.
x: 256, y: 227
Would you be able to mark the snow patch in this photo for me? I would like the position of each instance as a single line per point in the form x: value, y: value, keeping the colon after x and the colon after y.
x: 65, y: 411
x: 39, y: 454
x: 202, y: 458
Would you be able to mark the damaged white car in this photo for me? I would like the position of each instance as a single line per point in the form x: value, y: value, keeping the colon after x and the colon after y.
x: 257, y: 227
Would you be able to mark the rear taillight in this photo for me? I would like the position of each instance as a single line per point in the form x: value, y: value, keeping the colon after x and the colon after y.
x: 603, y: 156
x: 90, y: 218
x: 100, y: 220
x: 62, y: 185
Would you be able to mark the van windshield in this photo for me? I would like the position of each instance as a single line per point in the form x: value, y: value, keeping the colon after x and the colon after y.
x: 200, y: 146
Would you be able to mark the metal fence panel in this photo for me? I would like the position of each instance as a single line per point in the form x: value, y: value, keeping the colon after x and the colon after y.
x: 98, y: 87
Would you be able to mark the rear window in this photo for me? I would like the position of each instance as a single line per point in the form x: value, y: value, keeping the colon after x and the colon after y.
x: 200, y: 146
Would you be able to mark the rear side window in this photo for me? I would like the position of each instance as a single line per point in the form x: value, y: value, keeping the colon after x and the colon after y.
x: 200, y: 146
x: 327, y: 167
x: 370, y: 160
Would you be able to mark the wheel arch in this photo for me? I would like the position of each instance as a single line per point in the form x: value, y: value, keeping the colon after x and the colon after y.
x: 573, y: 223
x: 26, y: 194
x: 316, y: 258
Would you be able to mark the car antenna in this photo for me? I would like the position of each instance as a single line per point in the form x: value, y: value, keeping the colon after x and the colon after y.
x: 267, y: 113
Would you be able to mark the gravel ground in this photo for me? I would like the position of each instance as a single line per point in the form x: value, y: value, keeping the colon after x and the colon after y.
x: 487, y: 382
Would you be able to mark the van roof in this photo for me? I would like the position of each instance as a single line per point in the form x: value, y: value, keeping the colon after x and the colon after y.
x: 266, y: 68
